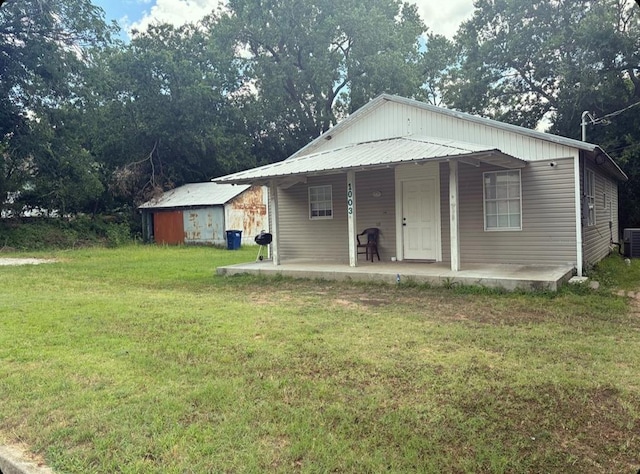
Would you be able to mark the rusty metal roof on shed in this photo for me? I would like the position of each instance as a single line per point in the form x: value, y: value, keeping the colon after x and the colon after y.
x: 376, y: 154
x: 196, y: 195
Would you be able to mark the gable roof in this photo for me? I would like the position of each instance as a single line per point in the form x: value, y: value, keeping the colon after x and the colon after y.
x: 196, y: 195
x: 376, y: 154
x: 309, y: 160
x: 383, y: 98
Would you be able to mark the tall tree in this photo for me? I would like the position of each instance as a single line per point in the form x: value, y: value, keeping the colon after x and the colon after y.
x: 438, y: 57
x: 63, y: 176
x: 308, y: 63
x: 165, y: 113
x: 521, y: 60
x: 43, y: 46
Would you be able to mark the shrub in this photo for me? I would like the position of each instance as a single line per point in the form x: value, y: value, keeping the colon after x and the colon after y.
x: 56, y: 233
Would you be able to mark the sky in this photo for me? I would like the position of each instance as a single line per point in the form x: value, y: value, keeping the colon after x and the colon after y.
x: 442, y: 17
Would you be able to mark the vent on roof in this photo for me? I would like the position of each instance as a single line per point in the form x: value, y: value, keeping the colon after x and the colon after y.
x: 631, y: 242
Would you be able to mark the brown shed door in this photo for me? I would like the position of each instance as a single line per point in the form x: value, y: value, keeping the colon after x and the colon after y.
x: 168, y: 227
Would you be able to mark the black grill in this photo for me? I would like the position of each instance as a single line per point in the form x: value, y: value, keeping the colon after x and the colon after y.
x: 263, y: 238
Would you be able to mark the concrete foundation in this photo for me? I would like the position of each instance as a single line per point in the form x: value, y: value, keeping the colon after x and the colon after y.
x: 508, y: 277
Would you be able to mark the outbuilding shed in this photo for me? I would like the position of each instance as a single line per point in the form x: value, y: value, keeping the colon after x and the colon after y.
x: 201, y: 213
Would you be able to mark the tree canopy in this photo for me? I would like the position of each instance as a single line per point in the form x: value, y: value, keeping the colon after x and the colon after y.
x: 89, y: 123
x: 309, y: 63
x: 44, y: 55
x: 521, y: 62
x: 163, y: 114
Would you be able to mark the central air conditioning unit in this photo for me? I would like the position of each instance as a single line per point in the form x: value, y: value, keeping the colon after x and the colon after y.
x: 631, y: 238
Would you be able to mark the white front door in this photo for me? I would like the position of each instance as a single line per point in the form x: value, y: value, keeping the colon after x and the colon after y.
x: 420, y: 219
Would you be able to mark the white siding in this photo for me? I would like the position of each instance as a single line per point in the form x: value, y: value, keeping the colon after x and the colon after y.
x: 377, y: 211
x: 445, y: 223
x: 393, y: 119
x: 548, y: 213
x: 616, y: 210
x: 316, y: 239
x: 410, y: 172
x: 548, y: 234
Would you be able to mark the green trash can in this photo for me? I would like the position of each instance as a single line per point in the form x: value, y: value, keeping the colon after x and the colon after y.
x: 234, y: 239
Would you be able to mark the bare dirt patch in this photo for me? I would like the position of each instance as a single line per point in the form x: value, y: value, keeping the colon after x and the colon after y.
x: 17, y: 458
x: 25, y: 261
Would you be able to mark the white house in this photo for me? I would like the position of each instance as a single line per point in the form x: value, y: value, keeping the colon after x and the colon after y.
x: 442, y: 186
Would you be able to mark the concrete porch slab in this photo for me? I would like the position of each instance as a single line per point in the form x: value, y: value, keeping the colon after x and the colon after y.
x: 509, y: 277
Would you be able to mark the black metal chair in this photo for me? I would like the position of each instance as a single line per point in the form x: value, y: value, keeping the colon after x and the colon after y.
x: 370, y: 247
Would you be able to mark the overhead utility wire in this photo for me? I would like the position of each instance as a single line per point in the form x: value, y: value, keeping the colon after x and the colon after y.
x: 595, y: 121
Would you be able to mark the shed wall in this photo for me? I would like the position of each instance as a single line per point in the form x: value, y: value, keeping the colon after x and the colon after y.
x: 168, y: 227
x: 248, y: 212
x: 204, y: 226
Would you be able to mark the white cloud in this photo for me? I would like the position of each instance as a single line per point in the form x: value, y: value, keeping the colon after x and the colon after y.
x: 440, y: 16
x: 444, y: 17
x: 175, y: 12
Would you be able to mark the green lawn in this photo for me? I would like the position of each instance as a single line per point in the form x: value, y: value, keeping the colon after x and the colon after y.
x: 139, y: 359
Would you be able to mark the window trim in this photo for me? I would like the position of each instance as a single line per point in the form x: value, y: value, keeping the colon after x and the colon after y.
x: 484, y: 201
x: 326, y: 187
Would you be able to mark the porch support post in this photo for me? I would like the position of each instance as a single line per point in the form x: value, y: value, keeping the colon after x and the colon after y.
x: 351, y: 217
x: 273, y: 227
x: 579, y: 203
x: 454, y: 216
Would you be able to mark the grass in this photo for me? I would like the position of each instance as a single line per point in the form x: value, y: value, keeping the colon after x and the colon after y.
x: 138, y: 359
x: 615, y: 272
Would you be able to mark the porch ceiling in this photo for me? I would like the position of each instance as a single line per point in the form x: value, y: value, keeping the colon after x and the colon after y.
x: 376, y: 154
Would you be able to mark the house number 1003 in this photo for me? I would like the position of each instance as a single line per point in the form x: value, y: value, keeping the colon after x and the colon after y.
x: 349, y: 199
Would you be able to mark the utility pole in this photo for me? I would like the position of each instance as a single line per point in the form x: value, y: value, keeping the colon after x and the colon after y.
x: 584, y: 123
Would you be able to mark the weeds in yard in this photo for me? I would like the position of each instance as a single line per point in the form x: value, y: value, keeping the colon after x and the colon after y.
x: 615, y: 272
x: 449, y: 283
x: 140, y: 359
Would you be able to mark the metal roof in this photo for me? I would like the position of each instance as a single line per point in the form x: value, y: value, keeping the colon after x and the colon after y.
x: 376, y: 154
x: 196, y: 195
x: 383, y: 98
x: 595, y: 150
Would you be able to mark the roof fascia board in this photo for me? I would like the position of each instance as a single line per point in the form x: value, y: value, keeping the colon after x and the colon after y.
x: 468, y: 158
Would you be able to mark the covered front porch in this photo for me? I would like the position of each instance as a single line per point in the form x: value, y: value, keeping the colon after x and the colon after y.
x: 508, y: 277
x: 392, y: 184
